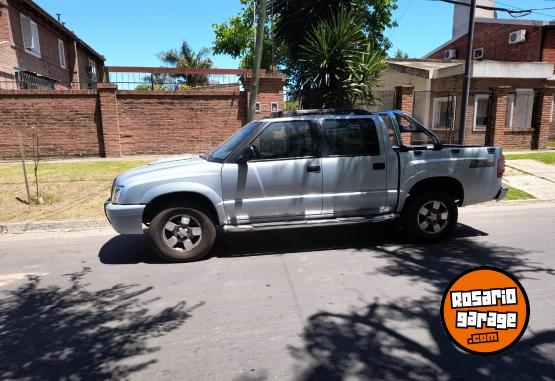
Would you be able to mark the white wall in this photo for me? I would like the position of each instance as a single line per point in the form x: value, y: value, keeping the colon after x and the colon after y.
x: 461, y: 14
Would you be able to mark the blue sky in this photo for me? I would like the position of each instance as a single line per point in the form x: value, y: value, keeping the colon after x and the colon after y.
x: 132, y: 32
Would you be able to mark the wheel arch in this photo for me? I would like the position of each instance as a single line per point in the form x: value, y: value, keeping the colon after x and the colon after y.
x: 185, y: 198
x: 450, y: 185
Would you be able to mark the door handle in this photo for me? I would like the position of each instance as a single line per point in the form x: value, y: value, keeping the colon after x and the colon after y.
x: 313, y: 168
x: 378, y: 166
x: 417, y: 153
x: 456, y: 150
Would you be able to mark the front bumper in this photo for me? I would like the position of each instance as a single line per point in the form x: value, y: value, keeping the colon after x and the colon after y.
x: 502, y: 193
x: 125, y: 219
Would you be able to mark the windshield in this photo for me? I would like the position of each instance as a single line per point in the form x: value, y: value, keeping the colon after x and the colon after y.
x: 222, y: 152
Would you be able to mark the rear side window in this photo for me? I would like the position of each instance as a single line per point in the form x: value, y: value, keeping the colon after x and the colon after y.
x: 351, y: 137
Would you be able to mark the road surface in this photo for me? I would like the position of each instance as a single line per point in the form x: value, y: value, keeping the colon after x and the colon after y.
x: 310, y: 304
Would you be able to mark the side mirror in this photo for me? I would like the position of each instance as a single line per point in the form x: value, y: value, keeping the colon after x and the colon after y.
x: 248, y: 154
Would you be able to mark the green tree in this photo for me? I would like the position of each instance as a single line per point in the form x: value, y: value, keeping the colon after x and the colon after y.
x: 293, y: 22
x: 235, y: 37
x: 399, y: 54
x: 339, y: 63
x: 186, y: 58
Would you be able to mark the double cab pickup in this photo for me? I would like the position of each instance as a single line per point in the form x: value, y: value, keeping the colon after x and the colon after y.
x: 306, y: 168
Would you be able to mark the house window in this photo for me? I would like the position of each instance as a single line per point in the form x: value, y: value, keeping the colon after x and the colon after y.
x: 481, y: 104
x: 258, y: 107
x: 30, y: 32
x: 444, y: 113
x: 274, y: 107
x: 519, y: 109
x: 91, y: 69
x: 62, y: 53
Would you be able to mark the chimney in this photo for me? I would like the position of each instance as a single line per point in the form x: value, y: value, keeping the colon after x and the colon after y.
x: 461, y: 15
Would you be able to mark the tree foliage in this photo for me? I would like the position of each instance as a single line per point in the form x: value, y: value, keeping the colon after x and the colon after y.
x: 399, y: 54
x: 235, y: 37
x: 305, y: 32
x: 186, y: 58
x: 339, y: 63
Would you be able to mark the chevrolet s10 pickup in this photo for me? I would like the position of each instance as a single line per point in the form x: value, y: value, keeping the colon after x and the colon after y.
x: 306, y: 168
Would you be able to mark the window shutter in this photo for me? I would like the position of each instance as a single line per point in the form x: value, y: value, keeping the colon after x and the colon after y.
x: 35, y: 37
x: 26, y: 31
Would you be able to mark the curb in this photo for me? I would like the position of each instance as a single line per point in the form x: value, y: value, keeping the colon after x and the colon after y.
x: 53, y: 226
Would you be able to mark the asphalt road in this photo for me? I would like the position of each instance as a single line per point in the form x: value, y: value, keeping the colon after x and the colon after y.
x: 311, y: 304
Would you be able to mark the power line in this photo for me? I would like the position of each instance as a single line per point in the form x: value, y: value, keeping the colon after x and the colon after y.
x: 533, y: 11
x: 512, y: 12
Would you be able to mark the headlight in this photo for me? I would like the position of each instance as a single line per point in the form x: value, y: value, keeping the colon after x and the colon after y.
x: 116, y: 191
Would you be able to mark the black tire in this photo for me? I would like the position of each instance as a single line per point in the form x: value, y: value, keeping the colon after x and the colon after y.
x: 435, y: 225
x: 189, y: 245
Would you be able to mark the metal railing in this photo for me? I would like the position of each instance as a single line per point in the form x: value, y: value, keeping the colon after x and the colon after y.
x: 173, y: 79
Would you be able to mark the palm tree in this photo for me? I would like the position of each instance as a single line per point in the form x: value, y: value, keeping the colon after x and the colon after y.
x: 186, y: 58
x: 340, y: 64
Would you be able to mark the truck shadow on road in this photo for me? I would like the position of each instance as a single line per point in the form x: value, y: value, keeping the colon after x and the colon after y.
x: 404, y: 339
x: 131, y: 249
x: 72, y: 333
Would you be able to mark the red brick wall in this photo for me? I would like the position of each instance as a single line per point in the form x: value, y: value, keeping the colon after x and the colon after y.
x: 495, y: 39
x: 67, y: 122
x: 168, y: 122
x: 108, y: 122
x: 548, y: 45
x: 515, y: 138
x: 7, y: 54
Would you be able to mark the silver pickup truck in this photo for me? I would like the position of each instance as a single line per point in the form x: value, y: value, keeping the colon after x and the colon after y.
x: 306, y: 168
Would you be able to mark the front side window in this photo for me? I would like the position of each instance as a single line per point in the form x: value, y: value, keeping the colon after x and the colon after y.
x: 224, y: 150
x: 284, y: 140
x: 352, y: 137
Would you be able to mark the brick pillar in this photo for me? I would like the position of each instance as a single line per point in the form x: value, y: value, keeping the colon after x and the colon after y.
x: 404, y: 99
x: 270, y: 90
x: 497, y: 115
x: 542, y: 114
x: 109, y: 118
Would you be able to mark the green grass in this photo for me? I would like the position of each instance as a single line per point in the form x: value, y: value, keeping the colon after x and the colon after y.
x: 518, y: 194
x: 71, y: 190
x: 544, y: 157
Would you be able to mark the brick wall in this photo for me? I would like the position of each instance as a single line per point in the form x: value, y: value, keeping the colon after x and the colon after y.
x: 168, y: 122
x: 108, y: 122
x: 67, y: 122
x: 513, y: 138
x: 494, y: 38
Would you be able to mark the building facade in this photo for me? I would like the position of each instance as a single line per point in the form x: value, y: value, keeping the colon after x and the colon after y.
x: 37, y: 51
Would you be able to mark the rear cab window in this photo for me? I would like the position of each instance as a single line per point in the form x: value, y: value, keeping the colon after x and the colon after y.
x: 351, y: 137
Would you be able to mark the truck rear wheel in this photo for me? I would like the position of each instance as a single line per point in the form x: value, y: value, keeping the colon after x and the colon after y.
x: 180, y: 234
x: 430, y: 216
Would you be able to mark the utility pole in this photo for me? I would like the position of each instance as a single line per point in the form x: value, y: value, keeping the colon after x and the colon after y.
x: 467, y: 74
x: 258, y: 45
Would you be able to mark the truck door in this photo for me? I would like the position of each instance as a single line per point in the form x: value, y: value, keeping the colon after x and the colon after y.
x: 354, y: 168
x: 283, y: 181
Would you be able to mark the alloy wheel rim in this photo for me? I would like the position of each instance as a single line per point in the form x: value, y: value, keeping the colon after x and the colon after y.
x: 433, y: 217
x: 182, y: 233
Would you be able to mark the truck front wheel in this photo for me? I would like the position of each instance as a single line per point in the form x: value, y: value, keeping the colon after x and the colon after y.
x: 430, y: 216
x: 180, y: 234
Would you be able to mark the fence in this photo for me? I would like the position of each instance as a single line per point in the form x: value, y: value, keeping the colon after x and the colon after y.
x: 441, y: 111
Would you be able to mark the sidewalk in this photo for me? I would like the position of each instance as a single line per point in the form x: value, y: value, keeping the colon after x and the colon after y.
x: 533, y: 177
